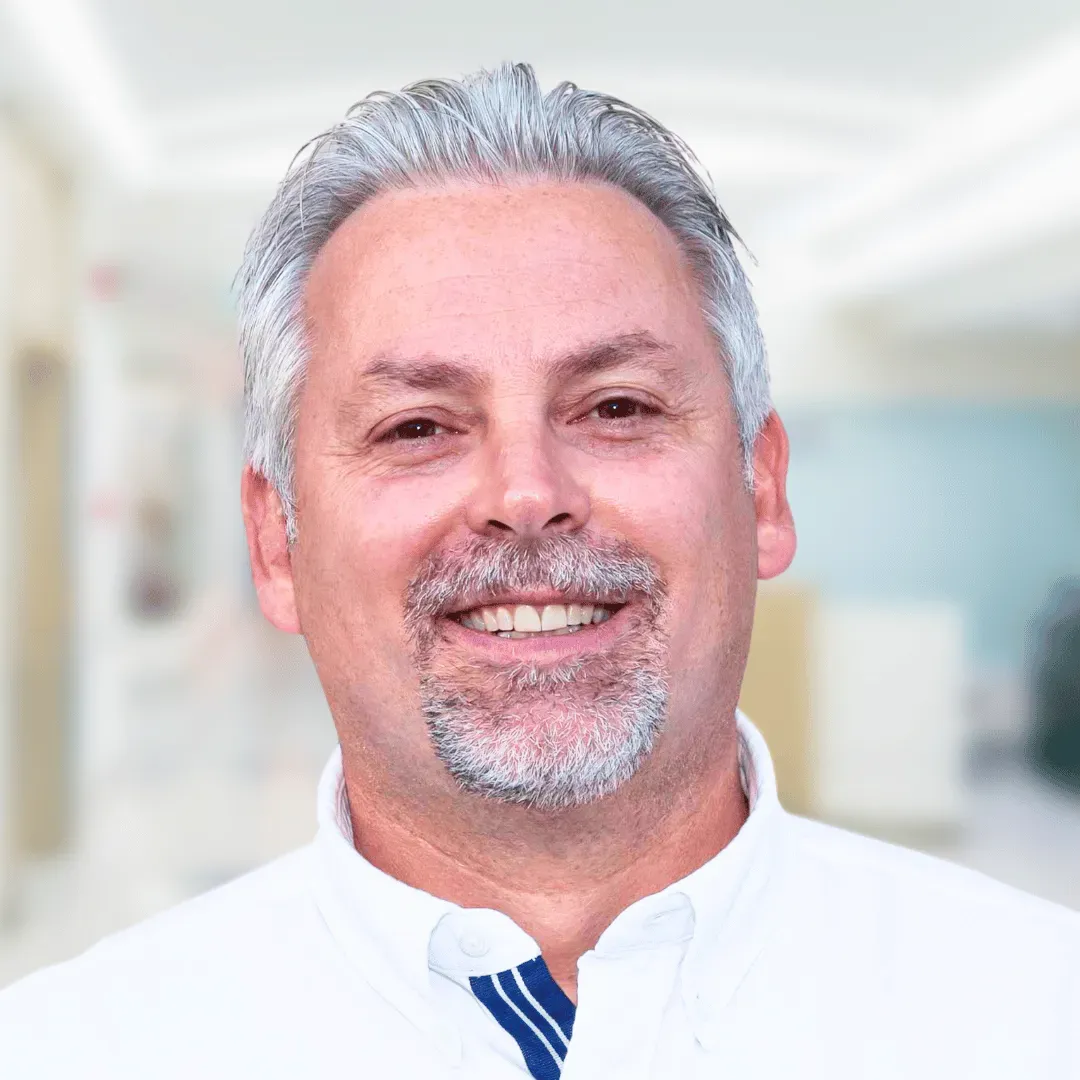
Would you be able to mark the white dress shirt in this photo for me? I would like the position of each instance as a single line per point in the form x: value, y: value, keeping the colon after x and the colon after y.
x: 799, y: 951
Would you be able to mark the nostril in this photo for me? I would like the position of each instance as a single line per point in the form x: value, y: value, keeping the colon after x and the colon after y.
x: 499, y: 525
x: 558, y: 519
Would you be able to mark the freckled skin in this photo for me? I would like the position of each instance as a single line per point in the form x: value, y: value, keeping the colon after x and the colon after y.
x: 503, y: 282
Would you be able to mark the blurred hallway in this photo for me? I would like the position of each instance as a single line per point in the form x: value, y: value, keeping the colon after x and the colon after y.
x: 217, y: 776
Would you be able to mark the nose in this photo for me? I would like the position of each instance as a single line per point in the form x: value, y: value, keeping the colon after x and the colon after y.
x: 526, y: 488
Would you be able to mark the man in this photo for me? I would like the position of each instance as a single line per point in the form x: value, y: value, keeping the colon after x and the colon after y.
x: 513, y: 472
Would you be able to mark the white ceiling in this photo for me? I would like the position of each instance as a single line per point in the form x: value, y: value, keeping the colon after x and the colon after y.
x: 869, y: 147
x: 174, y: 52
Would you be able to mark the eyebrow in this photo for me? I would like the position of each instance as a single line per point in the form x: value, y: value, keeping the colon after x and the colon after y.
x: 640, y: 350
x: 422, y: 374
x: 634, y: 350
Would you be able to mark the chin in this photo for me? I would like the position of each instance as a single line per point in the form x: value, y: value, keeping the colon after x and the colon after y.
x: 544, y: 738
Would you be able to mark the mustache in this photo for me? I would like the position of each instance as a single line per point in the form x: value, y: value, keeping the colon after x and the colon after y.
x: 486, y: 568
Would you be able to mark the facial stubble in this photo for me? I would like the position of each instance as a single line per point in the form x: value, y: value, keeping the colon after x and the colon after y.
x: 545, y: 736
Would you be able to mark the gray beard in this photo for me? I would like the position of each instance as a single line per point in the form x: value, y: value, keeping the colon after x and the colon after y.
x: 544, y: 738
x: 547, y: 737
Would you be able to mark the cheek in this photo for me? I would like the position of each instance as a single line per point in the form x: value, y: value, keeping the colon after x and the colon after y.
x: 369, y: 536
x: 692, y: 514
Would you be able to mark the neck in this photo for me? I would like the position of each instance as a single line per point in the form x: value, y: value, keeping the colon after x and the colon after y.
x: 562, y: 876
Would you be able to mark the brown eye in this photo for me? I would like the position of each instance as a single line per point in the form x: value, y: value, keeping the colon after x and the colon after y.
x: 416, y: 429
x: 619, y: 409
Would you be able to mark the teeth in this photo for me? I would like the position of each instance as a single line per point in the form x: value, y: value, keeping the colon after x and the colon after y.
x: 553, y: 617
x: 526, y: 619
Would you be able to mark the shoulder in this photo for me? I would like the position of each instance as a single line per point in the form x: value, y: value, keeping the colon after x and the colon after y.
x: 918, y: 885
x: 879, y: 961
x: 930, y: 925
x: 212, y: 953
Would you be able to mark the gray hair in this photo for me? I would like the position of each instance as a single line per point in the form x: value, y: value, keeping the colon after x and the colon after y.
x: 488, y: 127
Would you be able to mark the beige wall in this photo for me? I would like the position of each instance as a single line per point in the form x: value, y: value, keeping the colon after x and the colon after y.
x: 35, y: 335
x: 6, y: 574
x: 776, y: 690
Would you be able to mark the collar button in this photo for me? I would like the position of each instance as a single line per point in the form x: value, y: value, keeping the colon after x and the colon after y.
x: 474, y: 946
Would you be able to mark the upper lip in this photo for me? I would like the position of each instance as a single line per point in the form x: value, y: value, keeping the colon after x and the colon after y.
x: 536, y: 598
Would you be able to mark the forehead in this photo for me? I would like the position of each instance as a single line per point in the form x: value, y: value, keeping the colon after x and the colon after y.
x: 492, y: 273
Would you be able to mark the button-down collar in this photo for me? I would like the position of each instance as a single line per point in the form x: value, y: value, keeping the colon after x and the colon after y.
x: 734, y: 895
x: 383, y: 925
x: 397, y: 935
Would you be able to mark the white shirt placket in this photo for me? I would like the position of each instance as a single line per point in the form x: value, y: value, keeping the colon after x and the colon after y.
x: 626, y: 988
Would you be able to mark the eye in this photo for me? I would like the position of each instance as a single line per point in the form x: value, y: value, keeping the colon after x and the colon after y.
x: 621, y: 408
x: 417, y: 428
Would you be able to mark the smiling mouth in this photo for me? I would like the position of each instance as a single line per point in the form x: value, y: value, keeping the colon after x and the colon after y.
x: 535, y: 620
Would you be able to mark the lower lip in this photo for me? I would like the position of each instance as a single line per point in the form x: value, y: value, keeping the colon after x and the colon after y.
x: 592, y: 638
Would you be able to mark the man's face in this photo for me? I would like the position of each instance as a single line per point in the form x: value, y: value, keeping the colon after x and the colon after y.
x: 526, y: 555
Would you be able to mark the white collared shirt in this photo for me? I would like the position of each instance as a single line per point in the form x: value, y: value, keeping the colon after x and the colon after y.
x: 798, y: 951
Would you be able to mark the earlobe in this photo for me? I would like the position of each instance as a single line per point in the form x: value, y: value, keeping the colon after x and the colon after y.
x: 775, y: 525
x: 268, y: 547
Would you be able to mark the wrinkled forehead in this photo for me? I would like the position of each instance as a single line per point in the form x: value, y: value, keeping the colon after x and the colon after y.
x: 528, y: 275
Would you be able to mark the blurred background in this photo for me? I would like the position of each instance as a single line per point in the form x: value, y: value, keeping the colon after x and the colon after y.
x: 907, y: 177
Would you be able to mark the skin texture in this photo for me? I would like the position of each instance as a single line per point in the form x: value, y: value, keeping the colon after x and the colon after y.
x: 506, y: 283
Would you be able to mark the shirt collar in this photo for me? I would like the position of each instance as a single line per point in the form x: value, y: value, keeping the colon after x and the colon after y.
x: 383, y: 925
x: 735, y: 894
x: 723, y: 909
x: 391, y: 930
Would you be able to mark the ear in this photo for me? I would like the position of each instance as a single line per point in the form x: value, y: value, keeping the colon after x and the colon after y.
x: 775, y: 527
x: 268, y: 546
